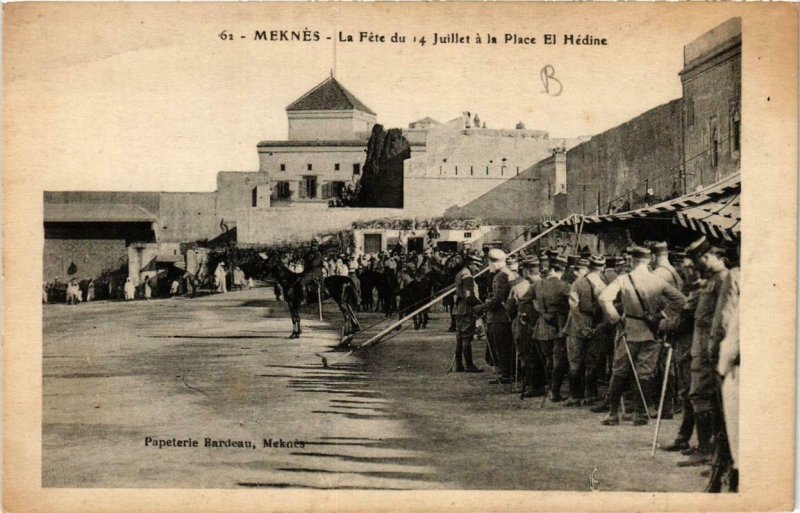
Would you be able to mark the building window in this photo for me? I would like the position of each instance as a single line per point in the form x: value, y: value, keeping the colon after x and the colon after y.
x: 736, y: 131
x: 308, y: 187
x: 356, y: 169
x: 282, y: 191
x: 456, y: 170
x: 487, y: 170
x: 440, y: 169
x: 336, y: 167
x: 283, y: 167
x: 467, y: 235
x: 714, y: 147
x: 309, y: 167
x: 471, y: 171
x: 517, y: 170
x: 254, y: 199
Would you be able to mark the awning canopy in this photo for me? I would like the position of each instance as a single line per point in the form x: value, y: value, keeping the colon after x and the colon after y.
x: 713, y: 211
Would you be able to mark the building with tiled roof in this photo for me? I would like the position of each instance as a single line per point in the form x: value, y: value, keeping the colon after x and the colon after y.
x: 329, y: 95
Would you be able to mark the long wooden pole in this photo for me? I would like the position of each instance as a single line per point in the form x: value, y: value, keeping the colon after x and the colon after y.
x: 661, y: 403
x: 374, y: 340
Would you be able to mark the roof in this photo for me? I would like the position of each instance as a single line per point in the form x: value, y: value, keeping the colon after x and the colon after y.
x: 295, y: 144
x: 97, y: 213
x: 426, y: 119
x: 713, y: 211
x: 329, y: 95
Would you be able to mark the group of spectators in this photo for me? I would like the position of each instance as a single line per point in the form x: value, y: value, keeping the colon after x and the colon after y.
x: 624, y: 321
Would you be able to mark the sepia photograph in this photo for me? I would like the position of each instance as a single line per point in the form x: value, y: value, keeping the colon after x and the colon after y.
x: 383, y: 248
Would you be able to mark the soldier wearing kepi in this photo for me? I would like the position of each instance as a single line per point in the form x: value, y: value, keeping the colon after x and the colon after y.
x: 642, y: 296
x: 551, y: 295
x: 466, y: 299
x: 586, y: 332
x: 519, y: 287
x: 703, y: 391
x: 531, y: 362
x: 498, y: 325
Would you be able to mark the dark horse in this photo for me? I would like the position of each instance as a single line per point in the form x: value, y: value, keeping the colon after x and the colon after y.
x: 340, y: 288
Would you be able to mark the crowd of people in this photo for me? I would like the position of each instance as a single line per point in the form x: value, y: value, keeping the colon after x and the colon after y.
x: 622, y: 321
x: 585, y: 330
x: 76, y: 291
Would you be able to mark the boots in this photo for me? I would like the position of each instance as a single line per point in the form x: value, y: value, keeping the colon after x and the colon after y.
x: 469, y: 365
x: 614, y: 397
x: 684, y: 431
x: 591, y: 386
x: 641, y: 416
x: 702, y: 455
x: 575, y: 390
x: 459, y: 351
x: 558, y: 379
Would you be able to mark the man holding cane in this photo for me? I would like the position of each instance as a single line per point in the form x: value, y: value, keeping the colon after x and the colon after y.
x: 644, y: 295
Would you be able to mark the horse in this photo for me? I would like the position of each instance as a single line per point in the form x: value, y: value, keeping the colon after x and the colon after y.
x: 340, y: 288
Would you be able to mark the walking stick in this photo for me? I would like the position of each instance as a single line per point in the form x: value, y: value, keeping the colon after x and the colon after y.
x: 319, y: 297
x: 663, y: 394
x: 635, y: 374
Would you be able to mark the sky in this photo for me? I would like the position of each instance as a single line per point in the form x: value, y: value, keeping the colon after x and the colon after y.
x: 149, y: 97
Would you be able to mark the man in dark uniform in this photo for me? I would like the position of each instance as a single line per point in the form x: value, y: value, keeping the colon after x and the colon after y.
x: 586, y: 333
x: 571, y: 273
x: 681, y: 335
x: 663, y: 269
x: 498, y: 325
x: 313, y: 262
x: 551, y: 295
x: 643, y: 296
x: 703, y: 392
x: 465, y: 300
x: 532, y: 364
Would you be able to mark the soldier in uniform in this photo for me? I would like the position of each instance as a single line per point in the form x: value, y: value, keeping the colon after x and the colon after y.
x: 519, y: 287
x: 703, y: 391
x: 586, y: 336
x: 466, y: 295
x: 571, y: 272
x: 728, y: 367
x: 498, y: 325
x: 642, y: 296
x: 551, y: 295
x: 663, y: 269
x: 531, y: 362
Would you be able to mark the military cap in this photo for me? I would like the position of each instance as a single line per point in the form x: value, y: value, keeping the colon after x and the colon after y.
x: 558, y: 260
x: 511, y: 259
x: 530, y: 262
x: 474, y: 259
x: 552, y: 253
x: 640, y: 252
x: 658, y: 247
x: 698, y: 247
x: 572, y: 260
x: 597, y: 262
x: 496, y: 254
x: 582, y: 263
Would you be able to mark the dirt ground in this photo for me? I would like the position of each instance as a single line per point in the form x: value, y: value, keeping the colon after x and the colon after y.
x: 220, y: 367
